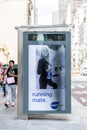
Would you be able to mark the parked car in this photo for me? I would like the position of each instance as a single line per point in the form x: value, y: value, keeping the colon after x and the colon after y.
x: 83, y: 71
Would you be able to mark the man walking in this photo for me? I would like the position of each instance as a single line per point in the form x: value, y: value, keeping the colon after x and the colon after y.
x: 12, y: 74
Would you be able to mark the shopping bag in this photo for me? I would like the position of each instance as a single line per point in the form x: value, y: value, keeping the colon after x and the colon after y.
x: 10, y: 80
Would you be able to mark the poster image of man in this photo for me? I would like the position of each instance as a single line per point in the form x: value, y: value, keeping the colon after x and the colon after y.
x: 42, y: 69
x: 49, y: 67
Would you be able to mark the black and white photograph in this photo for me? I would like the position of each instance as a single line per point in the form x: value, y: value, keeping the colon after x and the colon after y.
x: 46, y: 76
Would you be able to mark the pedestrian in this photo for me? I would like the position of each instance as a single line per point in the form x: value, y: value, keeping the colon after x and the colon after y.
x: 4, y: 82
x: 11, y: 83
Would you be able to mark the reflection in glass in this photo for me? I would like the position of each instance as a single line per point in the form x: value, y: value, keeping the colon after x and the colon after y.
x: 46, y: 37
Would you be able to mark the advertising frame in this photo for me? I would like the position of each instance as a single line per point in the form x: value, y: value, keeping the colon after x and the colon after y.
x: 26, y: 88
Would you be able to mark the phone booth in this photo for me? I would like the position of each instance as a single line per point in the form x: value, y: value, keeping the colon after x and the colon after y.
x: 46, y: 69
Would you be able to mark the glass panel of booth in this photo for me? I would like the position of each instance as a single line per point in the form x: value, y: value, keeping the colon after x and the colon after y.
x: 46, y: 77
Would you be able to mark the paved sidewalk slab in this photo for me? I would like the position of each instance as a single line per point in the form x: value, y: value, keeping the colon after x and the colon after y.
x: 41, y: 125
x: 55, y: 125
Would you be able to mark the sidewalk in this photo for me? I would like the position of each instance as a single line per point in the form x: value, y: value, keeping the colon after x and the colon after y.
x: 77, y: 120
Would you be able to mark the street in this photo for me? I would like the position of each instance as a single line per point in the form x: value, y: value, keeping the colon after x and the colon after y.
x: 79, y: 88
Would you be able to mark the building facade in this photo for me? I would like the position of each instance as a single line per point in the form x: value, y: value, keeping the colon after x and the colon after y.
x: 79, y: 33
x: 63, y: 10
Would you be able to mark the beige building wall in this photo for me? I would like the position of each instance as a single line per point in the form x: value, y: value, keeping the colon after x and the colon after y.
x: 12, y: 14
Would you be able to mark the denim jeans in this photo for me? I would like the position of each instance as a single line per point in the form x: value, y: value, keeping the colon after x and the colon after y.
x: 11, y: 93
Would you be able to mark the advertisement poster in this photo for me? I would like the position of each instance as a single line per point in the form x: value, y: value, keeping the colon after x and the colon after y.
x: 46, y: 77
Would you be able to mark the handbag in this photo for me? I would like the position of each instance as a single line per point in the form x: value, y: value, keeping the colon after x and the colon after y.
x: 10, y: 80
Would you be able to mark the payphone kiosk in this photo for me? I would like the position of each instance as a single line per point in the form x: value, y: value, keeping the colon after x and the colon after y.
x: 46, y: 71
